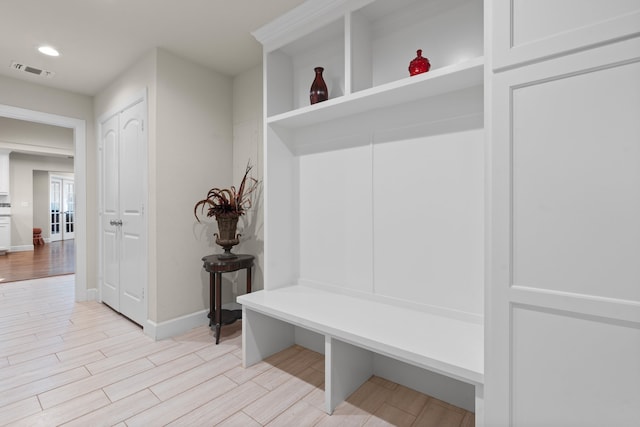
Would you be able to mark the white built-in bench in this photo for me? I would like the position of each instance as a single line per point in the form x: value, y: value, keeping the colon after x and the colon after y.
x: 356, y: 330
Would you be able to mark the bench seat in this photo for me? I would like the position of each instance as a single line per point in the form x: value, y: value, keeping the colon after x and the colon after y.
x: 354, y: 327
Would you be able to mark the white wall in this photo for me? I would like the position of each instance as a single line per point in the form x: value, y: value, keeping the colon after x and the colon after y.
x: 22, y: 167
x: 30, y: 137
x: 193, y: 153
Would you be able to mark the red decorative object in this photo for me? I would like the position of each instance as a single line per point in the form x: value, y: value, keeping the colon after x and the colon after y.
x: 318, y: 92
x: 419, y: 64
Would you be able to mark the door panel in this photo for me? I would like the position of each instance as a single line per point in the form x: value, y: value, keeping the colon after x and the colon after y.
x: 110, y: 210
x: 132, y: 162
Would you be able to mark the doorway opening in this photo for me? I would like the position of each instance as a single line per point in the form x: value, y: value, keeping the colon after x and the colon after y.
x: 80, y: 219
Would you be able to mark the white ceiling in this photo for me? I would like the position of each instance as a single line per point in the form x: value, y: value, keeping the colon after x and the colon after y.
x: 99, y: 39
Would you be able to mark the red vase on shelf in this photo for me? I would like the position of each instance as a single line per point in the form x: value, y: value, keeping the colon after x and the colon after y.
x: 318, y: 92
x: 419, y: 64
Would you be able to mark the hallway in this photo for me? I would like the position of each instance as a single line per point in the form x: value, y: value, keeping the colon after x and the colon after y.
x: 51, y: 259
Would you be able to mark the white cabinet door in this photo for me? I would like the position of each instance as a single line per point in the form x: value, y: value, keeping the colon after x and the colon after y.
x: 526, y: 31
x: 123, y: 196
x: 563, y: 309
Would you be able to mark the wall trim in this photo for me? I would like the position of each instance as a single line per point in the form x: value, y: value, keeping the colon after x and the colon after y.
x: 21, y: 248
x: 176, y: 326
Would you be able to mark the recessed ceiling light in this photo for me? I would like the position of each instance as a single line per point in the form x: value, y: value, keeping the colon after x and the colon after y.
x: 48, y: 50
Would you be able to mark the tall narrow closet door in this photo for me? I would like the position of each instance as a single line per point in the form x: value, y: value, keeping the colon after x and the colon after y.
x: 132, y: 199
x: 110, y: 238
x: 563, y: 312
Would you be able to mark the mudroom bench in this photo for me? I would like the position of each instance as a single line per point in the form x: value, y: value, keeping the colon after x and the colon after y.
x: 358, y: 330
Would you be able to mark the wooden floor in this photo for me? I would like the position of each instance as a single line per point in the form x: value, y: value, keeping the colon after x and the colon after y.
x: 82, y: 364
x: 51, y: 259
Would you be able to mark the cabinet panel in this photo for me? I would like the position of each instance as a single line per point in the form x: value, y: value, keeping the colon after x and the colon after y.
x: 526, y: 31
x: 590, y: 375
x: 576, y: 205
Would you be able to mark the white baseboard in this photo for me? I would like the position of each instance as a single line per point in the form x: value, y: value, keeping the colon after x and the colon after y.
x: 92, y: 294
x: 21, y: 248
x: 177, y: 326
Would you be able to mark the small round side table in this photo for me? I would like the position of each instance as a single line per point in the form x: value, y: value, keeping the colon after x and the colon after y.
x: 216, y: 265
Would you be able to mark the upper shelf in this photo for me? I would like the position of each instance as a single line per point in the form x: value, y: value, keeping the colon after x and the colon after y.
x: 446, y: 79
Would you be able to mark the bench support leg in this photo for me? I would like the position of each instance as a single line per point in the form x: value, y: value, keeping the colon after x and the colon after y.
x: 347, y: 367
x: 479, y: 406
x: 263, y: 336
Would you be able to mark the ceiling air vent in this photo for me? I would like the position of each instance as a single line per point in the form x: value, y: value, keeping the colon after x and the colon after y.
x: 31, y: 70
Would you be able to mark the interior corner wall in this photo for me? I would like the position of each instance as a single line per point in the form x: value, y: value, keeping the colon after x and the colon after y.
x: 193, y: 155
x: 248, y: 147
x: 31, y: 96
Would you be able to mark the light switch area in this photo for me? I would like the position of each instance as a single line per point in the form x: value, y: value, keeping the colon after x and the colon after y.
x: 24, y: 204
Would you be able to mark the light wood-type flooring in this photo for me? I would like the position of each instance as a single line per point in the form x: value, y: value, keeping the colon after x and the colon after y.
x: 82, y: 364
x: 51, y: 259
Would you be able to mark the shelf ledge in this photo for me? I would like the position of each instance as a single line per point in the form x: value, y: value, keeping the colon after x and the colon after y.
x: 443, y: 80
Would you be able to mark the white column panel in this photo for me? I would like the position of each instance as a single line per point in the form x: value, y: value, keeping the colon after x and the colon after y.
x: 571, y: 370
x: 576, y: 169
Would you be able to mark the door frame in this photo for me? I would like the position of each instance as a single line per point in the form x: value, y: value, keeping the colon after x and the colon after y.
x: 140, y: 97
x: 79, y: 169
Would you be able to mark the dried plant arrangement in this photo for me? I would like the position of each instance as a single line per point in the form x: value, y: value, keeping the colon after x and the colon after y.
x: 228, y: 202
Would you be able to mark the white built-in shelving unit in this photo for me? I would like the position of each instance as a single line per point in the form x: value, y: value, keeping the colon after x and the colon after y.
x: 378, y: 190
x: 377, y: 194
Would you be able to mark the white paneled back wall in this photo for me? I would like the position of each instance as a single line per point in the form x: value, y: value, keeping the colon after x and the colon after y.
x: 401, y: 219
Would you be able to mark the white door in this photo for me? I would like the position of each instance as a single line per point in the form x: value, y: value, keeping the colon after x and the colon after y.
x: 123, y: 196
x: 62, y: 209
x: 55, y: 209
x: 563, y: 289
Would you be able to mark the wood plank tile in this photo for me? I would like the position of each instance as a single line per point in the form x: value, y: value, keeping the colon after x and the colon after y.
x: 407, y: 400
x: 435, y: 415
x: 188, y: 379
x: 299, y: 414
x: 143, y: 350
x: 182, y: 404
x: 93, y: 382
x: 388, y: 416
x: 240, y: 419
x: 284, y: 396
x: 44, y: 385
x: 150, y: 377
x: 118, y: 411
x: 54, y: 367
x: 222, y: 407
x: 67, y: 411
x: 20, y: 409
